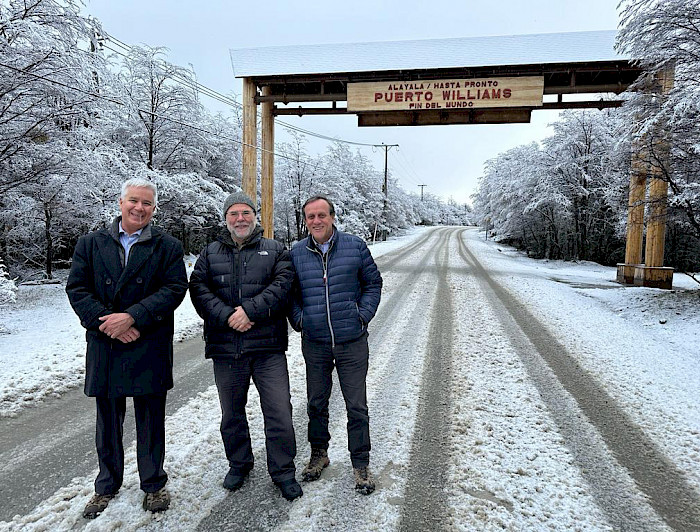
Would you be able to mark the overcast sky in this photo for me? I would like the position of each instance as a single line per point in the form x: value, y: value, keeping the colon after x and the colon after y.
x: 448, y: 159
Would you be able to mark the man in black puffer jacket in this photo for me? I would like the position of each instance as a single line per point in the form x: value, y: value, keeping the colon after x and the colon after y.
x: 240, y: 286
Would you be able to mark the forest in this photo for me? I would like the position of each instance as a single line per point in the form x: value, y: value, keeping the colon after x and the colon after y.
x: 567, y: 197
x: 80, y: 112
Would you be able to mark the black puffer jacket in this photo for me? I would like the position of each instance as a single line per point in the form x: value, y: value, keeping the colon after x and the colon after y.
x: 257, y: 277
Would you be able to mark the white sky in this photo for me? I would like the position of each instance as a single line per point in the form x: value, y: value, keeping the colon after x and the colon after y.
x: 449, y: 158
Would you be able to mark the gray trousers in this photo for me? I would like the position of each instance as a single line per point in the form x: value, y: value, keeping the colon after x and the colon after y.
x: 351, y: 360
x: 271, y: 378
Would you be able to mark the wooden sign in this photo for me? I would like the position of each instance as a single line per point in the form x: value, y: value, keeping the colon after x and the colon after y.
x: 446, y: 94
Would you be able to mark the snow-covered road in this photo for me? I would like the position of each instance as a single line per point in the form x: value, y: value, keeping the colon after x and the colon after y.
x: 505, y: 394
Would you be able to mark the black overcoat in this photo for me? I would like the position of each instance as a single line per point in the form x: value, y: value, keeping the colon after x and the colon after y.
x: 150, y: 288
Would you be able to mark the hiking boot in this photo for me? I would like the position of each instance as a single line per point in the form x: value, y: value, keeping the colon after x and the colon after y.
x: 364, y: 483
x: 96, y: 505
x: 235, y: 477
x: 290, y: 489
x: 158, y: 501
x: 318, y: 461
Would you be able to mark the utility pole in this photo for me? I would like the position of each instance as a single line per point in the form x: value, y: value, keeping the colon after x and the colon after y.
x: 421, y: 191
x: 385, y: 188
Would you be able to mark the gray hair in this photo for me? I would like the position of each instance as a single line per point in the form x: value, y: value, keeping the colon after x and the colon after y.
x: 140, y: 182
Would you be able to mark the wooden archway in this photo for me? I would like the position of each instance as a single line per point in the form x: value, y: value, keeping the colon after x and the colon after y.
x: 382, y: 87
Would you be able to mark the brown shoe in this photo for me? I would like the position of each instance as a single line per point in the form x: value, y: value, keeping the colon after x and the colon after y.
x: 318, y: 461
x: 96, y: 505
x: 364, y: 483
x: 158, y: 501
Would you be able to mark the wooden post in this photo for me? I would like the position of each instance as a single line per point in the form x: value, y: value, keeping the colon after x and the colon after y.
x: 656, y: 225
x: 652, y: 273
x: 658, y: 187
x: 635, y: 212
x: 635, y: 215
x: 250, y: 134
x: 267, y: 167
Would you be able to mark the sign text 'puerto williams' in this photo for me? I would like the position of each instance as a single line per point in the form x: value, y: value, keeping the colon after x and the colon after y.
x: 446, y: 94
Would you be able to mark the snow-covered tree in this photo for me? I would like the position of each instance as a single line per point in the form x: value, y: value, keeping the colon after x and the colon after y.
x: 294, y: 181
x: 162, y: 105
x: 47, y: 75
x: 663, y: 36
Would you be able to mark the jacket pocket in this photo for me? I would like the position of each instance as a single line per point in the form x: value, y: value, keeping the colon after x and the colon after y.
x: 363, y: 325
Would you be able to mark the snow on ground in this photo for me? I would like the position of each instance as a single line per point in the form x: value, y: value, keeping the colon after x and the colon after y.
x: 510, y: 469
x: 642, y: 344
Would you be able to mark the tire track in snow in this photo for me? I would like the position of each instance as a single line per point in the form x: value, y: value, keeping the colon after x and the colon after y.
x: 425, y: 505
x: 606, y: 444
x: 46, y: 446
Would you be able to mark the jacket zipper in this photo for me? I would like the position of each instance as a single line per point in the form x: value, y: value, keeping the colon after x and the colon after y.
x: 239, y: 257
x: 325, y: 258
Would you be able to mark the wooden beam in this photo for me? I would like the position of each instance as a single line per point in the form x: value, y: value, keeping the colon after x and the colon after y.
x: 616, y: 88
x: 600, y: 104
x: 429, y: 117
x: 250, y: 136
x: 301, y: 111
x: 267, y: 167
x: 287, y: 98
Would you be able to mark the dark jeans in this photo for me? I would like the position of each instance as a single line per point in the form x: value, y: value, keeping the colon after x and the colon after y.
x: 150, y: 442
x: 351, y: 361
x: 271, y: 378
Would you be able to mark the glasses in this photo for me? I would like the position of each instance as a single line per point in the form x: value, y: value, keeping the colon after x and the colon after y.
x: 236, y: 214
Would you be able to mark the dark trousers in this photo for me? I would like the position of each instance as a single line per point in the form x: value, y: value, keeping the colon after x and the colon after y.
x: 351, y: 360
x: 271, y: 378
x: 149, y: 412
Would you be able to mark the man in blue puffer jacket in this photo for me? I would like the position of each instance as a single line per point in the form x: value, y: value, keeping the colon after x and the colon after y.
x: 336, y: 294
x: 240, y: 287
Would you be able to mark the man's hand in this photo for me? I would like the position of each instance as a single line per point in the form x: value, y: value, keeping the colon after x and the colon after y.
x: 239, y: 320
x: 115, y: 325
x: 129, y: 336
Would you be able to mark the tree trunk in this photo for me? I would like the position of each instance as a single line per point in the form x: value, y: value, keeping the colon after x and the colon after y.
x: 49, y: 242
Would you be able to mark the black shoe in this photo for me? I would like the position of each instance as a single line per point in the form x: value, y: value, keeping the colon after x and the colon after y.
x: 290, y: 489
x: 235, y: 478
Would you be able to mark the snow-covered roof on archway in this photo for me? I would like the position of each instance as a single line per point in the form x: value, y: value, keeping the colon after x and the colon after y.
x: 468, y: 52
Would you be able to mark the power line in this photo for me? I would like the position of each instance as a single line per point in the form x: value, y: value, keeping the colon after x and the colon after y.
x: 179, y: 122
x: 230, y: 101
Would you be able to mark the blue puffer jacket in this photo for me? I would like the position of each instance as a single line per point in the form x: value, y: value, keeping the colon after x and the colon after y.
x: 336, y: 295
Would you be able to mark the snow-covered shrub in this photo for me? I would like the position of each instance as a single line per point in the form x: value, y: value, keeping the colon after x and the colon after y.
x: 8, y: 289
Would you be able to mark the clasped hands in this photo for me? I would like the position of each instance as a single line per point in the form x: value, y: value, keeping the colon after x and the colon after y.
x: 120, y: 326
x: 239, y: 321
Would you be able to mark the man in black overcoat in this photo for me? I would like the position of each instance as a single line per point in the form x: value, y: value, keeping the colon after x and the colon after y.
x: 125, y: 283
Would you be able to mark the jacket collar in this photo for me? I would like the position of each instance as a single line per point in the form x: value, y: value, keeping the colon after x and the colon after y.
x: 112, y: 256
x: 146, y: 232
